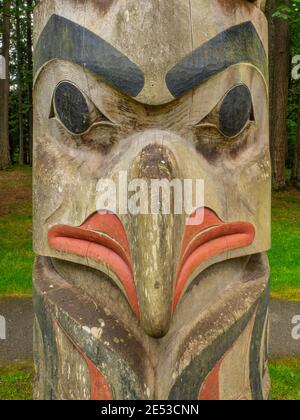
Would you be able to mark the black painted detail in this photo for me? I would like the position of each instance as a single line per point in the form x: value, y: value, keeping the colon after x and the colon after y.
x: 43, y: 327
x: 197, y: 371
x: 66, y: 40
x: 126, y: 371
x: 200, y: 366
x: 238, y: 44
x: 255, y: 351
x: 235, y: 111
x: 71, y: 108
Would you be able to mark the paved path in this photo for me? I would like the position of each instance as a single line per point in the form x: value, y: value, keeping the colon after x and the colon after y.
x: 281, y: 316
x: 19, y: 319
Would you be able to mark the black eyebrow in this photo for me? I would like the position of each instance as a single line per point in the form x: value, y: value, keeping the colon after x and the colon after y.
x: 238, y: 44
x: 66, y: 40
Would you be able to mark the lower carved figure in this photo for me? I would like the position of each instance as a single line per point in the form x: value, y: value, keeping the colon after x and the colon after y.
x: 87, y: 348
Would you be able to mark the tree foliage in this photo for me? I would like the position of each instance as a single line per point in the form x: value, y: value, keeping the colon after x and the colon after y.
x: 20, y: 75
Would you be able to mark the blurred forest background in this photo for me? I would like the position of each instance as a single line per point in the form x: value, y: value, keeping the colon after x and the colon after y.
x: 16, y: 29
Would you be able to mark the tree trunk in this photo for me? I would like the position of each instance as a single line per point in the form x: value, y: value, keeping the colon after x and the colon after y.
x: 29, y: 71
x: 296, y: 166
x: 279, y: 88
x: 19, y: 78
x: 5, y: 160
x: 270, y: 9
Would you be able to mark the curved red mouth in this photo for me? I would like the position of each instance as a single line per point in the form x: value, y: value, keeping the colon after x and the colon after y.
x: 207, y: 240
x: 102, y: 238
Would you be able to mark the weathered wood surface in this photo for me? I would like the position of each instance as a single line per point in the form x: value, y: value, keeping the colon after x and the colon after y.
x: 162, y: 90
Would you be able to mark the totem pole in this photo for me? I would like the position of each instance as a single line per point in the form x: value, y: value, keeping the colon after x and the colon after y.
x: 151, y: 305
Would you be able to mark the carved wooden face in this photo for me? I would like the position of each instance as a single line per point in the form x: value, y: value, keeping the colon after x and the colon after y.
x: 159, y: 90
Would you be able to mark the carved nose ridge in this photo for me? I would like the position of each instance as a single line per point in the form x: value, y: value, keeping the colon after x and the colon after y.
x: 156, y: 241
x: 154, y: 272
x: 156, y: 162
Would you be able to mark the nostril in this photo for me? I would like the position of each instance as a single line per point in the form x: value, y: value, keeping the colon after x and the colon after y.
x: 156, y: 162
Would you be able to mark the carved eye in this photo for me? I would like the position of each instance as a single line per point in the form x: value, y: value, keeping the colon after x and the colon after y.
x: 71, y: 108
x: 235, y: 111
x: 74, y: 110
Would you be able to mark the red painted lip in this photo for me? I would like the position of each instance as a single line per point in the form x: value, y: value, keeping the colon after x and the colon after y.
x: 101, y: 238
x: 213, y: 237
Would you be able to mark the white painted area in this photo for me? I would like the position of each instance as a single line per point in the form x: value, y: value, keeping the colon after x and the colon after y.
x: 87, y: 329
x: 97, y: 332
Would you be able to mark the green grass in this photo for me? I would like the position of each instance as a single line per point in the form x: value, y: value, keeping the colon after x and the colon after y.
x: 16, y: 381
x: 285, y: 253
x: 285, y: 376
x: 16, y: 256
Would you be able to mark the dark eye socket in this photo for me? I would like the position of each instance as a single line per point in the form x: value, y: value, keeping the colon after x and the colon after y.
x: 236, y: 111
x: 71, y: 108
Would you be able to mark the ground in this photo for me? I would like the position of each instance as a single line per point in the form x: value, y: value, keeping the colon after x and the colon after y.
x: 16, y: 381
x: 285, y: 254
x: 285, y: 376
x: 16, y: 259
x: 16, y: 256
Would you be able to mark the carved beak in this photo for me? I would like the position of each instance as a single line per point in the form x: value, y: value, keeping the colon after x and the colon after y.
x: 146, y: 276
x: 156, y: 251
x: 152, y: 257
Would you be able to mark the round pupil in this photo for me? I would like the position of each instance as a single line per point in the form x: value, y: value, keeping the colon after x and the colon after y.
x: 71, y: 108
x: 235, y: 111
